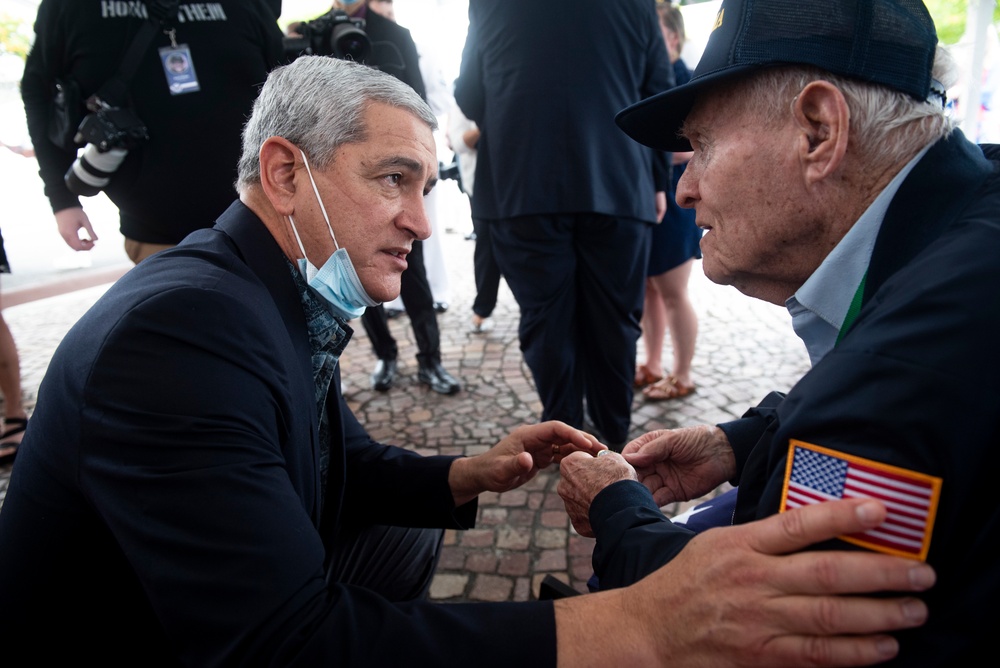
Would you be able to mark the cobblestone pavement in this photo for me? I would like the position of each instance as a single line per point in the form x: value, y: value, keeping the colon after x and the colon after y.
x: 745, y: 349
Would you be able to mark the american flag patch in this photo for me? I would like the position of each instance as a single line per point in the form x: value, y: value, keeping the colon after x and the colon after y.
x: 815, y: 474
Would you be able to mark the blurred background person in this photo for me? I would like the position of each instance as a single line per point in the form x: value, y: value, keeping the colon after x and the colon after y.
x: 674, y: 248
x: 15, y: 419
x: 463, y: 138
x: 193, y: 125
x: 383, y: 7
x: 571, y: 200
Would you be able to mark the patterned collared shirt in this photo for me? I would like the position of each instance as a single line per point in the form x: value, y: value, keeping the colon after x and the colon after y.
x: 328, y: 336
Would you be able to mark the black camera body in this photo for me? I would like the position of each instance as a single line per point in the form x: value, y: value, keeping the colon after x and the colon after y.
x: 449, y: 171
x: 112, y: 127
x: 333, y: 34
x: 109, y: 134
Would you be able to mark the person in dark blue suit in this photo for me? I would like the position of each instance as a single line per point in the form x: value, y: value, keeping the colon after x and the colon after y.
x: 192, y: 488
x: 571, y: 200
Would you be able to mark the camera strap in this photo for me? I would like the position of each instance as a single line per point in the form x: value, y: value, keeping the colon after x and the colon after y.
x: 115, y: 91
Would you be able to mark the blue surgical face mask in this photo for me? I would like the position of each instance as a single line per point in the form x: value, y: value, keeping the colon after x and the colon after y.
x: 336, y: 282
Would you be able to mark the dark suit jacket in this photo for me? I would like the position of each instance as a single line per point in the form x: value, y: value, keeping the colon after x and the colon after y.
x: 544, y: 81
x: 166, y: 503
x: 915, y: 384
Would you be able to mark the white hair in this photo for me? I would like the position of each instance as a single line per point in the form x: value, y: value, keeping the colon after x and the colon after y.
x: 886, y: 125
x: 318, y: 104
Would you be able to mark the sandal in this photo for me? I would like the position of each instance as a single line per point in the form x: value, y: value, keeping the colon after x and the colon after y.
x: 19, y: 425
x: 668, y: 388
x: 644, y: 377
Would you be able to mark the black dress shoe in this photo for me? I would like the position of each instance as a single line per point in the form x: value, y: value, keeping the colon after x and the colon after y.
x: 434, y: 376
x: 440, y: 307
x: 384, y: 375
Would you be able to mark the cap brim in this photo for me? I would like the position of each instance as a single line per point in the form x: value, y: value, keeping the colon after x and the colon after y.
x: 656, y: 120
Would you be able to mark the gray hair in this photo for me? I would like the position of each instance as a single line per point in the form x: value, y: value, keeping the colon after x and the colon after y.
x: 318, y: 104
x: 887, y: 126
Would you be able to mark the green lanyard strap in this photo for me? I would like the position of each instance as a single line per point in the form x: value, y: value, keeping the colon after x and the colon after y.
x: 853, y: 309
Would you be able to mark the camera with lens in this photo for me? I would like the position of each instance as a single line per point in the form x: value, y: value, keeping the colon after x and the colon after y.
x: 449, y: 171
x: 109, y: 134
x: 333, y: 34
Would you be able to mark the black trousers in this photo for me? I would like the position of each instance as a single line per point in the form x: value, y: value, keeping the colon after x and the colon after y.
x: 486, y: 269
x: 396, y: 562
x: 579, y: 280
x: 419, y: 304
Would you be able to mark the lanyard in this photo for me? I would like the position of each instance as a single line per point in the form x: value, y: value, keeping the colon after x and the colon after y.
x: 853, y: 309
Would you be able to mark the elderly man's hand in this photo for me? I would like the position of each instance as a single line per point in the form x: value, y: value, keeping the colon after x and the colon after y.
x: 582, y: 477
x: 681, y: 464
x: 517, y: 459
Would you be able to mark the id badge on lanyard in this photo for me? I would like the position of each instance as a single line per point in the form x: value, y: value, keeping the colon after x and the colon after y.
x: 178, y: 66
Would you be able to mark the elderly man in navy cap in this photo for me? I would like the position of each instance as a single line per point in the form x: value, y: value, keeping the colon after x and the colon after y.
x: 828, y: 179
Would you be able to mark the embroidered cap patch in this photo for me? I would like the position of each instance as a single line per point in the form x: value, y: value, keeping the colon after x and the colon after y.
x: 815, y: 474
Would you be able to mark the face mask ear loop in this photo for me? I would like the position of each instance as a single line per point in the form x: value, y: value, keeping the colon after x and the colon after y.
x: 298, y: 239
x: 318, y: 199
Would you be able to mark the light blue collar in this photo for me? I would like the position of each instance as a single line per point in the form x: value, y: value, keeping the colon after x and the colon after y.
x: 818, y: 307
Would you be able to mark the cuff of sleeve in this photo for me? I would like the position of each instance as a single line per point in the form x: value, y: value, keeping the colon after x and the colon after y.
x: 464, y: 516
x: 60, y: 201
x: 617, y: 497
x: 743, y: 435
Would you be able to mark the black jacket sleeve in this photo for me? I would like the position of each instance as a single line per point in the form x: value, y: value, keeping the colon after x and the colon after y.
x: 634, y: 538
x: 743, y: 434
x: 38, y: 86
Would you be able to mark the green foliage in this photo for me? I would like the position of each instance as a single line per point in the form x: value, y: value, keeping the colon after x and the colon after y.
x: 15, y: 36
x: 950, y: 18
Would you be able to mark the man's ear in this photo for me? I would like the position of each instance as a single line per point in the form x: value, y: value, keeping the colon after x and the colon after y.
x: 822, y: 116
x: 278, y: 157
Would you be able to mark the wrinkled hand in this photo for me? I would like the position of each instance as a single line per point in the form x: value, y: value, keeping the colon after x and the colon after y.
x: 582, y: 477
x: 743, y: 596
x: 70, y: 221
x: 517, y: 459
x: 681, y: 464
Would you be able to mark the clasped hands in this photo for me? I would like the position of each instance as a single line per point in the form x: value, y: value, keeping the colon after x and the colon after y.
x: 518, y: 458
x: 674, y: 465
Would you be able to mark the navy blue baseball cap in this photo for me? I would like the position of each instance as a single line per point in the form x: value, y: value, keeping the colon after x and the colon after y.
x: 885, y: 42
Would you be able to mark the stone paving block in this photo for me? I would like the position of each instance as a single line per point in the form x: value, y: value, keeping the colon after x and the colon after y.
x: 452, y: 558
x: 481, y: 562
x: 513, y: 538
x: 522, y: 590
x: 550, y: 538
x: 551, y: 560
x: 554, y: 518
x: 447, y: 586
x: 514, y: 563
x: 491, y: 588
x: 478, y: 537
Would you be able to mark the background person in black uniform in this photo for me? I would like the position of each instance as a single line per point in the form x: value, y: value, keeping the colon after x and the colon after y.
x: 194, y: 137
x: 571, y: 200
x: 394, y: 52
